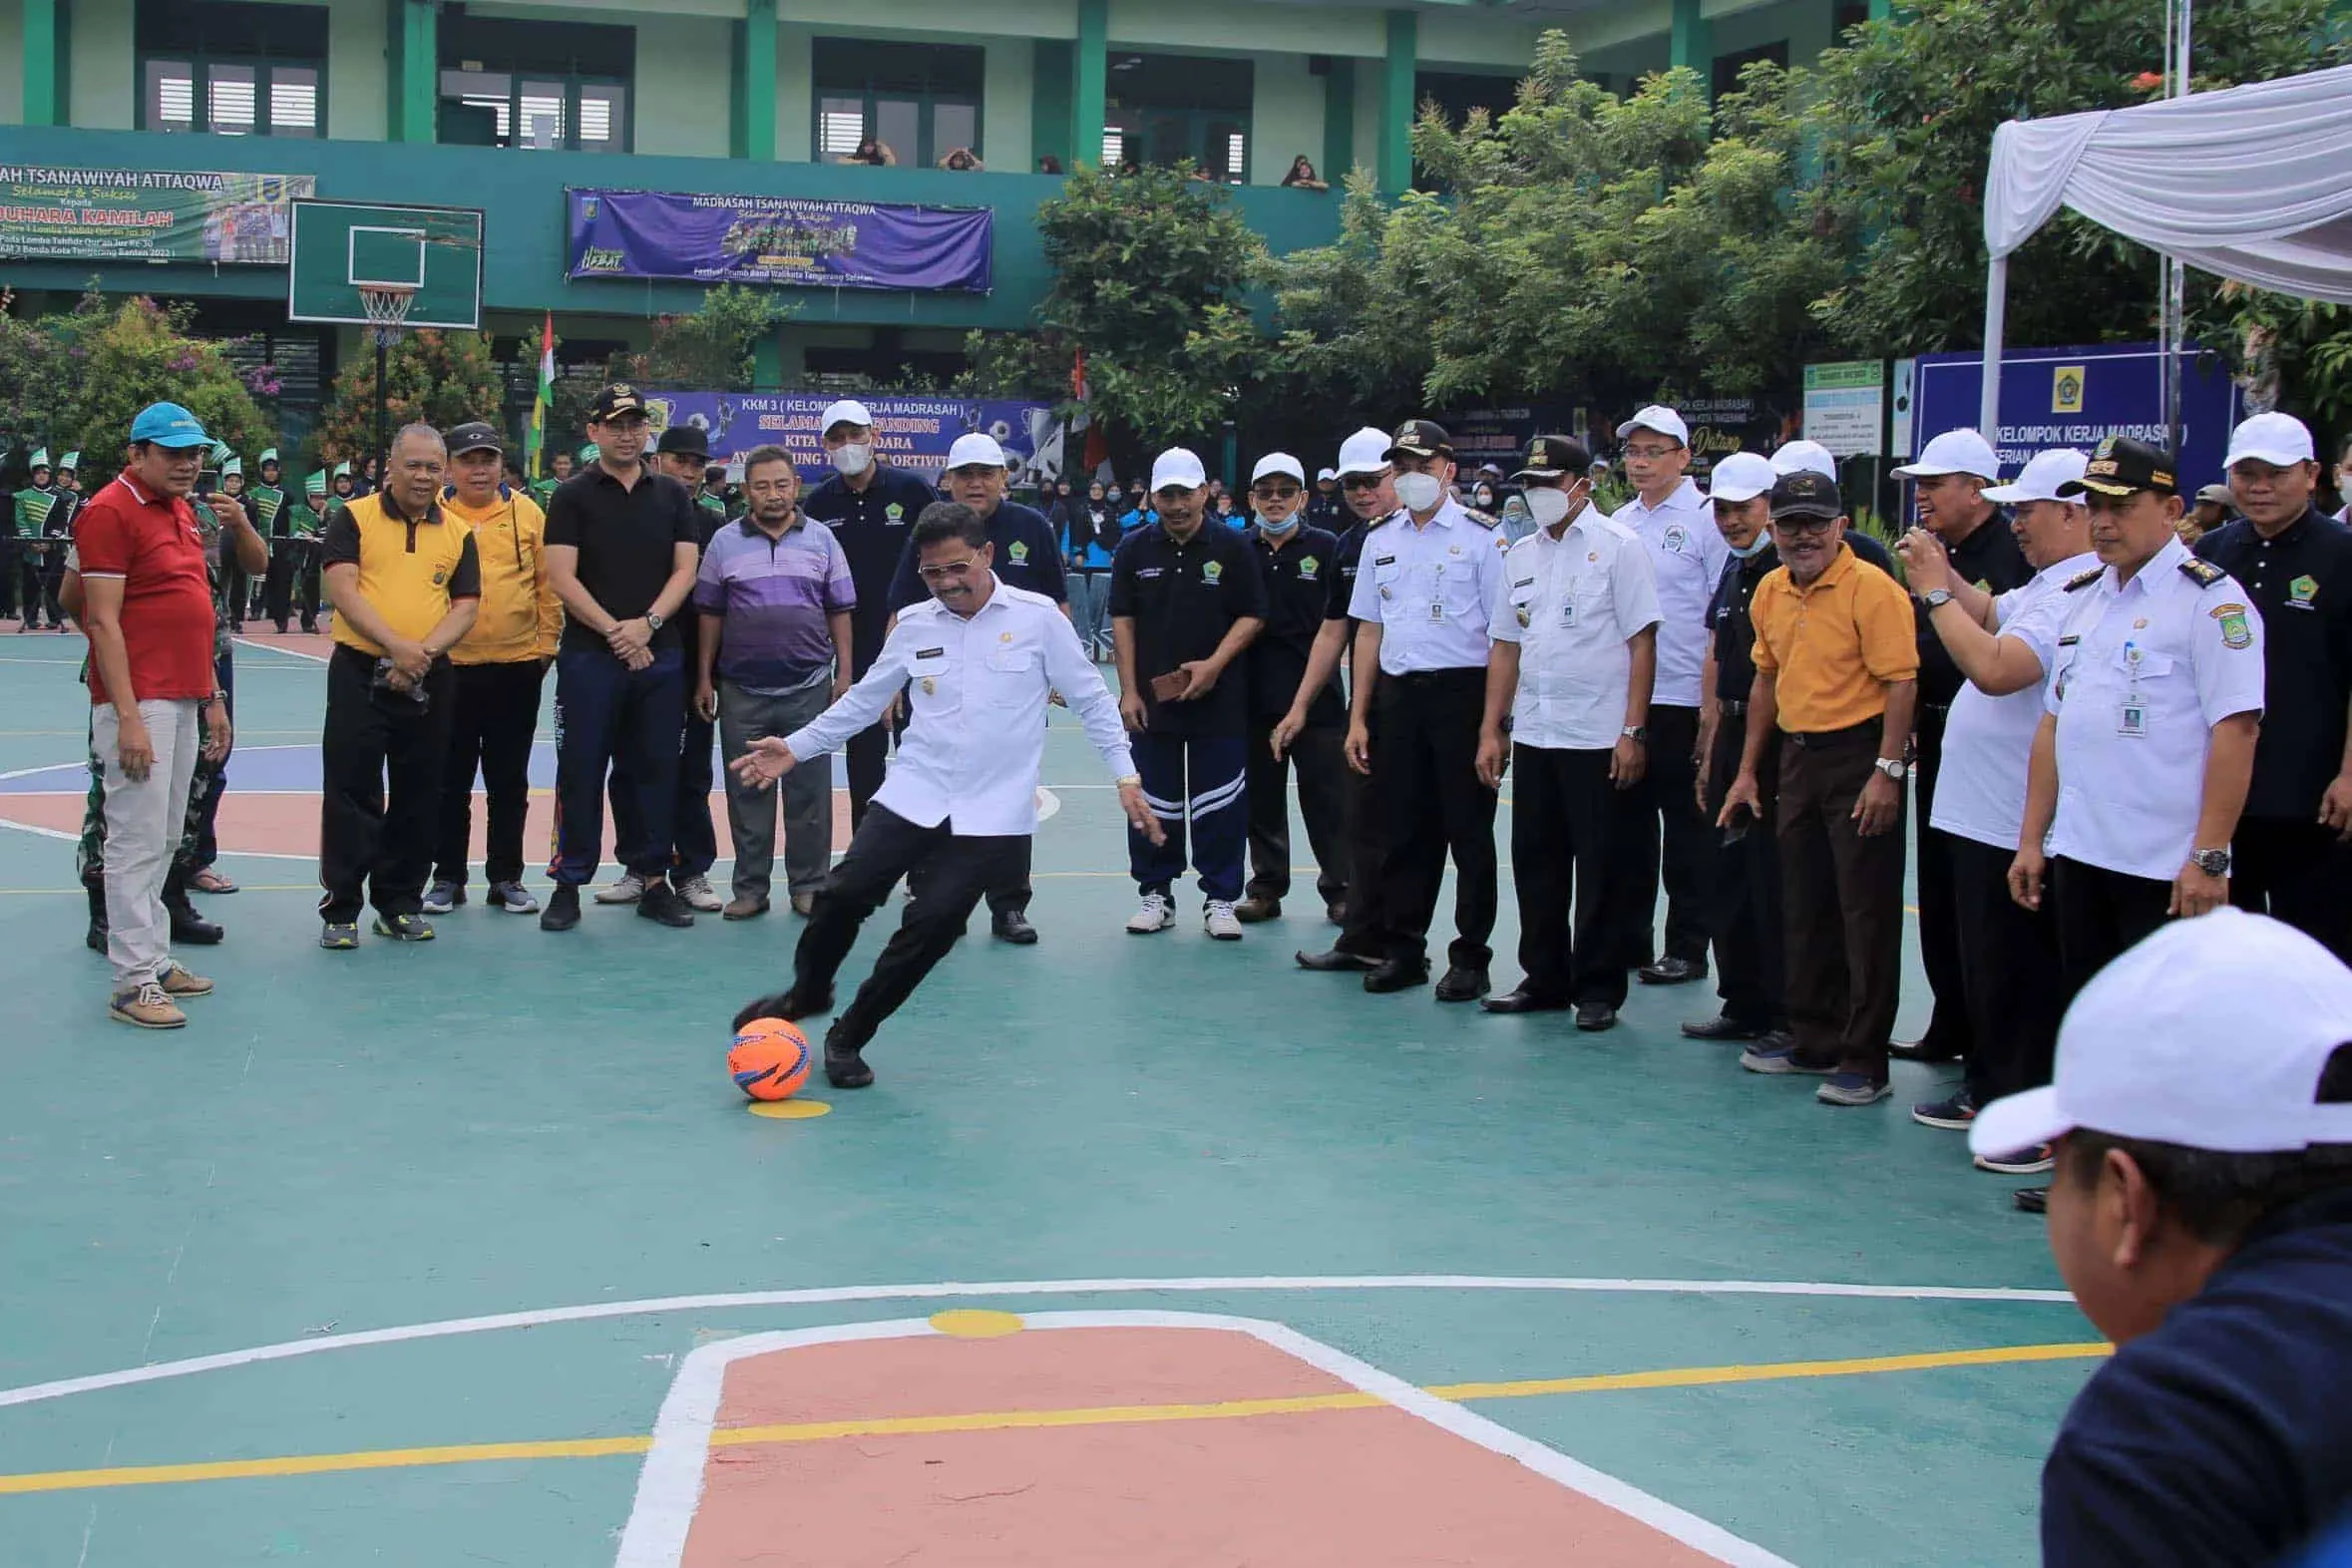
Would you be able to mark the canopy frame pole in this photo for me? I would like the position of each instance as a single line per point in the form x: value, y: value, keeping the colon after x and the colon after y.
x: 1987, y: 408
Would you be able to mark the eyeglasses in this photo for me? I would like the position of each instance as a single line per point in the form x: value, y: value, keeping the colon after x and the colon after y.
x: 1363, y: 481
x: 948, y: 570
x: 1805, y: 523
x: 1651, y: 453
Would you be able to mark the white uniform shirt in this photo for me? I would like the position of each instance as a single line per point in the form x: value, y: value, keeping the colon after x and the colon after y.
x: 1989, y: 741
x: 1687, y: 556
x: 1433, y: 590
x: 1570, y: 605
x: 978, y: 689
x: 2140, y: 673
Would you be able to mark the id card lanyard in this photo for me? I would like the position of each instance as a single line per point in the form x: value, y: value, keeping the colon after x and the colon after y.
x: 2131, y: 721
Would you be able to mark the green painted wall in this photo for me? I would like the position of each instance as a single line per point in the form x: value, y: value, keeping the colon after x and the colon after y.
x: 358, y: 77
x: 1008, y: 93
x: 795, y: 95
x: 1285, y: 116
x: 683, y: 87
x: 105, y: 83
x: 12, y: 50
x: 1050, y: 100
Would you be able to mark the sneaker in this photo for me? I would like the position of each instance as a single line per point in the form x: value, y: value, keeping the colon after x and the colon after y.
x: 1221, y: 922
x: 512, y: 897
x: 697, y: 891
x: 181, y: 982
x: 443, y: 897
x: 1775, y: 1059
x: 1851, y: 1088
x: 339, y: 936
x: 563, y: 911
x: 145, y: 1007
x: 661, y: 905
x: 2030, y: 1161
x: 404, y: 927
x: 1956, y: 1113
x: 627, y: 890
x: 1156, y: 913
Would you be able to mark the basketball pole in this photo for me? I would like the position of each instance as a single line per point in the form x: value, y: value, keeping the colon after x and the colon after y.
x: 383, y: 337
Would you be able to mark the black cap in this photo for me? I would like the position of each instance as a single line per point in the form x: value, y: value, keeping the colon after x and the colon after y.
x: 614, y: 401
x: 1805, y: 494
x: 1420, y: 438
x: 1549, y: 457
x: 684, y: 441
x: 474, y: 435
x: 2121, y: 466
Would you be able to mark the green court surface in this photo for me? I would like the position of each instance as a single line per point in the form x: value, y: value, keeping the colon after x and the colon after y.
x: 503, y: 1122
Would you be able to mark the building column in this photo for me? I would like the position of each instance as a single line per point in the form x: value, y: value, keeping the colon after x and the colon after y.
x: 1395, y: 163
x: 1339, y: 120
x: 1050, y: 112
x: 418, y: 77
x: 1883, y: 10
x: 754, y: 115
x: 44, y: 62
x: 1089, y: 82
x: 1691, y: 42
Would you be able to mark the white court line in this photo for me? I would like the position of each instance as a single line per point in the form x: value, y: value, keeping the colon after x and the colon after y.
x: 670, y: 1485
x: 266, y: 648
x: 32, y: 1394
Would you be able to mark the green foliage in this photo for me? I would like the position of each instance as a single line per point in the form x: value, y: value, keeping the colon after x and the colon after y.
x: 107, y: 359
x: 2295, y: 354
x: 712, y: 350
x: 441, y: 378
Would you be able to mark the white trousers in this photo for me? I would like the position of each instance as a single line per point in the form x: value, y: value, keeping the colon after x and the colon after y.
x: 143, y: 823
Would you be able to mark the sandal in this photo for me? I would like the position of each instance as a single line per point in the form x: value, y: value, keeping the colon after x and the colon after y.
x: 210, y: 881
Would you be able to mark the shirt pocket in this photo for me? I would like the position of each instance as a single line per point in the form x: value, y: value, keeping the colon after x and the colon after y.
x: 2162, y: 683
x: 1388, y: 583
x: 932, y: 681
x: 1457, y: 587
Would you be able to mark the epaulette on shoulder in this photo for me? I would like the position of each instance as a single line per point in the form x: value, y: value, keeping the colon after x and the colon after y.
x: 2203, y: 573
x: 2082, y: 579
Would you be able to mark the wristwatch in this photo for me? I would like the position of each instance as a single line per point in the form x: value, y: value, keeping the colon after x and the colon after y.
x: 1936, y: 599
x: 1636, y: 732
x: 2212, y: 862
x: 654, y: 621
x: 1891, y: 768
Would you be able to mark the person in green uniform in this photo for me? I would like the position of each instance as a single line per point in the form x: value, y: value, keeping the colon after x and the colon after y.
x: 294, y: 565
x: 266, y: 502
x: 543, y: 490
x: 235, y: 584
x: 36, y: 586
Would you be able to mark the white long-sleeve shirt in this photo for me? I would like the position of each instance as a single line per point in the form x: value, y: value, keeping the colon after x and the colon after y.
x: 977, y: 687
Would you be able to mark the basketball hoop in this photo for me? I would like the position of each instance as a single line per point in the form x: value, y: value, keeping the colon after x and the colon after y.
x: 386, y: 306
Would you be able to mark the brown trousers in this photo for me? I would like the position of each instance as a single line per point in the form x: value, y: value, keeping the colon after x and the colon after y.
x: 1842, y: 900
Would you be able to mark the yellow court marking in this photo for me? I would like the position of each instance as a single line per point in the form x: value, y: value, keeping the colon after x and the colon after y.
x: 976, y: 1322
x: 1007, y: 1420
x: 789, y: 1111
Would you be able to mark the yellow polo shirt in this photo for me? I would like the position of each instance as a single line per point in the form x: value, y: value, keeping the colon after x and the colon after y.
x: 410, y: 568
x: 1833, y: 647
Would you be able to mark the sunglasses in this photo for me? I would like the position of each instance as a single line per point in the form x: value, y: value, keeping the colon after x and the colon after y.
x: 1363, y: 481
x: 1274, y: 492
x: 1804, y: 524
x: 947, y: 571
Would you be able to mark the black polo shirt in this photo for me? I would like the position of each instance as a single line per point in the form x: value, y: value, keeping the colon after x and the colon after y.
x: 1343, y: 586
x: 873, y: 526
x: 1028, y: 556
x: 2301, y: 580
x: 1183, y: 598
x: 1298, y: 590
x: 2223, y: 1437
x: 1991, y: 559
x: 626, y: 537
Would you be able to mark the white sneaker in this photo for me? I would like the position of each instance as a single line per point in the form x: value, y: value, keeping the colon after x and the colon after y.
x: 1223, y: 924
x: 1157, y: 914
x: 697, y: 891
x: 627, y: 890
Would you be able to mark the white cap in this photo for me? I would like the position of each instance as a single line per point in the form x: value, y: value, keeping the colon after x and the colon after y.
x: 1804, y: 457
x: 849, y: 411
x: 1739, y: 476
x: 2040, y: 478
x: 1955, y: 452
x: 1177, y: 467
x: 1366, y: 452
x: 1661, y: 419
x: 1323, y: 474
x: 976, y: 449
x: 2212, y: 1034
x: 2279, y: 440
x: 1279, y: 463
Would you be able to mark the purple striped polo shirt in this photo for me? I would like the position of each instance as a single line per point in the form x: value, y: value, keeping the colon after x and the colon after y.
x: 774, y: 595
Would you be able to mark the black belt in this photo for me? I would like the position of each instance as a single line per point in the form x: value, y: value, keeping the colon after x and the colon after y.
x: 1422, y: 677
x: 1813, y: 740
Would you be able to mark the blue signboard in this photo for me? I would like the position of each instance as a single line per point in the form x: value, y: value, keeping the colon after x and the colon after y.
x: 778, y: 240
x: 911, y: 432
x: 2073, y: 397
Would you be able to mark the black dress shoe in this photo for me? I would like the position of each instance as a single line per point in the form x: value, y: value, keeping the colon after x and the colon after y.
x: 1336, y: 959
x: 1672, y: 971
x: 2033, y: 1200
x: 661, y: 904
x: 1723, y: 1026
x: 1335, y: 911
x: 563, y: 911
x: 192, y: 928
x: 1922, y: 1049
x: 786, y: 1005
x: 844, y: 1068
x: 1594, y: 1016
x: 1524, y: 1000
x: 1461, y: 985
x: 1013, y: 927
x: 1395, y: 975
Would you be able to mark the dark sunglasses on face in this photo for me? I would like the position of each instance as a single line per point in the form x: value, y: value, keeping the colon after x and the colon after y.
x: 1361, y: 481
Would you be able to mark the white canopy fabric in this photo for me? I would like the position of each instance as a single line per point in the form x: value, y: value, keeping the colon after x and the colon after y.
x: 2253, y: 182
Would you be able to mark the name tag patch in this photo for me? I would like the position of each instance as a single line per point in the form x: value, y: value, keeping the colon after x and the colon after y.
x: 931, y: 653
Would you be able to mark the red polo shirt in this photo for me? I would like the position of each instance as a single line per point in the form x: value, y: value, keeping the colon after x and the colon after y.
x: 152, y: 544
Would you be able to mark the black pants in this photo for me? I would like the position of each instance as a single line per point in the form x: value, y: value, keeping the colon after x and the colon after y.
x: 1564, y: 818
x: 208, y: 844
x: 234, y: 585
x: 886, y: 847
x: 2100, y: 913
x: 2297, y: 871
x: 495, y: 713
x: 293, y: 565
x: 613, y: 721
x: 40, y: 573
x: 2012, y: 983
x: 1751, y: 960
x: 1661, y: 831
x: 866, y: 759
x: 1843, y: 896
x: 1318, y: 757
x: 368, y: 843
x: 1429, y: 800
x: 1949, y: 1031
x: 1363, y: 932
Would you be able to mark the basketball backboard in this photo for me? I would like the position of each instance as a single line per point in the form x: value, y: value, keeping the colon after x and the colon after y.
x: 338, y: 246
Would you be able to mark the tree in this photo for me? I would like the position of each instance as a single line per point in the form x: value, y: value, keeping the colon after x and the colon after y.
x: 440, y: 378
x: 714, y: 349
x: 109, y: 358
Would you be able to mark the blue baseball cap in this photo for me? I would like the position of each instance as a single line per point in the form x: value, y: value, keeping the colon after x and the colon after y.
x: 169, y: 425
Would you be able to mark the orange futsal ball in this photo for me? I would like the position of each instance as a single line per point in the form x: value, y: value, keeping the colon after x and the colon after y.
x: 770, y: 1059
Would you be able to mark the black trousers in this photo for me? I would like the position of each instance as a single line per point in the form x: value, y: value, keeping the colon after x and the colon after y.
x: 234, y: 587
x: 886, y: 847
x: 293, y: 565
x: 1661, y: 831
x: 866, y: 759
x: 208, y: 844
x: 1564, y: 819
x: 1950, y: 1028
x: 2013, y: 987
x: 495, y: 713
x: 1844, y: 895
x: 2297, y: 871
x: 370, y: 843
x: 1363, y: 932
x: 1320, y: 758
x: 1429, y: 800
x: 1751, y: 960
x: 2100, y: 913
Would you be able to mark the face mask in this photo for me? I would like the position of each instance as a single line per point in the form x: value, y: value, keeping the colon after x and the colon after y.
x: 1762, y: 543
x: 1486, y: 501
x: 1419, y: 492
x: 1277, y: 530
x: 1547, y: 506
x: 851, y: 461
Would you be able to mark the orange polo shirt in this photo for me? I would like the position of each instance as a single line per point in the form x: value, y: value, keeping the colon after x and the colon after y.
x: 1833, y: 647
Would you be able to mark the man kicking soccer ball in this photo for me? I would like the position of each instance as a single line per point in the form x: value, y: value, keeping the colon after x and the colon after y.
x: 979, y: 661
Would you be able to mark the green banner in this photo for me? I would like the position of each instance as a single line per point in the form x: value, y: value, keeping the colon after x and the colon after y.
x: 145, y: 214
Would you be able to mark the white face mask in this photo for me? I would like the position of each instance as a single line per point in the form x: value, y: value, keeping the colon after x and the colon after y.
x: 1267, y: 524
x: 1419, y: 492
x: 1547, y: 506
x: 1756, y: 546
x: 852, y: 459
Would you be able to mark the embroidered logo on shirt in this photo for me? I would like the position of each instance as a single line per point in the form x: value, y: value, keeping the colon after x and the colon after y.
x: 895, y: 513
x: 1211, y: 571
x: 1676, y: 538
x: 1307, y: 568
x: 1018, y: 552
x: 2304, y: 590
x: 2235, y: 633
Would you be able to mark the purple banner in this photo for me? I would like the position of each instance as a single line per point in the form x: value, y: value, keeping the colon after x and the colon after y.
x: 778, y: 240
